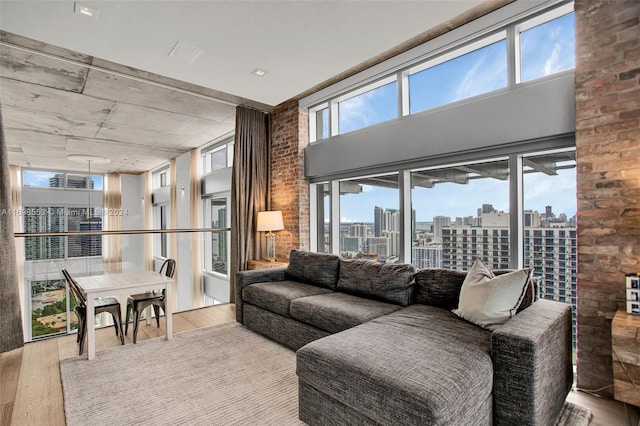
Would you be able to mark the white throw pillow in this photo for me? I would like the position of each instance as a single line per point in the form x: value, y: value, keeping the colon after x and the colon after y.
x: 488, y: 300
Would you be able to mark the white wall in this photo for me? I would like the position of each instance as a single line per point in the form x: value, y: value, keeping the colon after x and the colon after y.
x: 183, y: 220
x: 539, y: 111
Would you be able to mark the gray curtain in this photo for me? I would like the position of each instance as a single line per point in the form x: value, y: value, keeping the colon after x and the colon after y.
x: 11, y: 336
x: 250, y: 187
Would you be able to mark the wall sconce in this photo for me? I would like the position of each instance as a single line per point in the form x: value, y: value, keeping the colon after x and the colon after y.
x: 269, y: 222
x: 182, y: 191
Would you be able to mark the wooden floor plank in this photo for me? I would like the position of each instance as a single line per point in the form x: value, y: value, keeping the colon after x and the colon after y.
x: 10, y: 363
x: 606, y: 412
x: 39, y: 393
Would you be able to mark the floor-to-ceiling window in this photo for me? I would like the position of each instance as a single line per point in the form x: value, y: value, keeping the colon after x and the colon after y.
x: 477, y: 162
x: 549, y: 224
x: 217, y: 163
x: 461, y: 214
x: 160, y: 183
x: 57, y: 201
x: 370, y: 218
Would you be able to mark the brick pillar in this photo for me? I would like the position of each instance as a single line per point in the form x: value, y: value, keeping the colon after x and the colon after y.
x: 289, y: 187
x: 607, y: 90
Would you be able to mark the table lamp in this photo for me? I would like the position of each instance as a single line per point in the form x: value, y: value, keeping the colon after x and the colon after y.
x: 270, y: 221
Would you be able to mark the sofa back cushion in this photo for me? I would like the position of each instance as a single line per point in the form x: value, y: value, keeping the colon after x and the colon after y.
x: 439, y: 287
x: 319, y: 269
x: 390, y: 282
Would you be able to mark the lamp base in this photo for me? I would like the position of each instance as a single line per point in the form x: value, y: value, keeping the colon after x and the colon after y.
x: 271, y: 247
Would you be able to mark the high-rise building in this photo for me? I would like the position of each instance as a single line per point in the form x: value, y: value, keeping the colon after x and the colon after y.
x: 44, y: 219
x: 90, y: 245
x: 378, y: 219
x: 550, y: 248
x: 379, y: 245
x: 428, y: 256
x: 462, y: 245
x: 358, y: 230
x: 351, y: 244
x: 439, y: 223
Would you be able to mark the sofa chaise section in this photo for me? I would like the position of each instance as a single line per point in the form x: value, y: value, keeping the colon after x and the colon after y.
x: 420, y: 365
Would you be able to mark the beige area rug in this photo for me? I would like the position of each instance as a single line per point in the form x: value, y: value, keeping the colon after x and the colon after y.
x: 222, y: 375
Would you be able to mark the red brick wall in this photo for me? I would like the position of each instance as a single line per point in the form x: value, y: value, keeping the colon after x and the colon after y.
x: 608, y: 155
x: 289, y: 187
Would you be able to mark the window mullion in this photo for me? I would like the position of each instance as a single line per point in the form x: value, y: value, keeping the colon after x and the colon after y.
x: 513, y: 57
x: 516, y: 234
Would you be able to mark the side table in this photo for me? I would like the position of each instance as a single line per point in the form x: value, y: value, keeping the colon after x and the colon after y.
x: 625, y: 350
x: 265, y: 264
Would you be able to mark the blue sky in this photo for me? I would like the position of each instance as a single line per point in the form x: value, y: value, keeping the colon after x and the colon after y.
x: 546, y: 49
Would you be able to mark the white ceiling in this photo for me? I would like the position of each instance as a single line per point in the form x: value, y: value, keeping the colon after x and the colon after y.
x: 299, y: 43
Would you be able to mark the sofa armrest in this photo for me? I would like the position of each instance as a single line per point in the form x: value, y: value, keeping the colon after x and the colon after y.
x: 245, y: 278
x: 532, y: 369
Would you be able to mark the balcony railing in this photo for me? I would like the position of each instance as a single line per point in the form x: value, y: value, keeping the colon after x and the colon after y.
x: 47, y: 303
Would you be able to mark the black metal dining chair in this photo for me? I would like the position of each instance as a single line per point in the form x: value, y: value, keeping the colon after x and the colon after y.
x: 101, y: 304
x: 137, y: 303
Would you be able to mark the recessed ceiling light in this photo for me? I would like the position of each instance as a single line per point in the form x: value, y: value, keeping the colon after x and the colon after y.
x: 83, y: 9
x: 185, y: 52
x: 259, y: 72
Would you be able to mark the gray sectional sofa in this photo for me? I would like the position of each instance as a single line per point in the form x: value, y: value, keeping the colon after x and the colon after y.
x: 379, y: 344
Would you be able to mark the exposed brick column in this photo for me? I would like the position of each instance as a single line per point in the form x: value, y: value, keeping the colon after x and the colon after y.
x: 289, y: 187
x: 608, y: 157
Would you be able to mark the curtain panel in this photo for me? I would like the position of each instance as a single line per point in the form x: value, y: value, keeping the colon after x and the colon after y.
x: 250, y: 187
x: 15, y: 178
x: 112, y: 252
x: 11, y: 332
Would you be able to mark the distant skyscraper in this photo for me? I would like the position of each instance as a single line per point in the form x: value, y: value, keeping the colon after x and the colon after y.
x: 439, y: 222
x: 487, y: 208
x: 90, y: 245
x: 378, y: 245
x: 44, y: 219
x: 548, y: 212
x: 351, y: 244
x: 429, y: 256
x: 57, y: 181
x: 391, y: 220
x: 378, y: 219
x: 358, y: 230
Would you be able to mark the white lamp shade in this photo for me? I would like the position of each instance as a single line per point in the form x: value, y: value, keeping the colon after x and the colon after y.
x: 270, y: 221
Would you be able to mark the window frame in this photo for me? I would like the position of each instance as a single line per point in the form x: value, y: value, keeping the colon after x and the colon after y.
x: 65, y: 174
x: 456, y: 43
x: 528, y: 24
x: 227, y: 144
x: 207, y: 252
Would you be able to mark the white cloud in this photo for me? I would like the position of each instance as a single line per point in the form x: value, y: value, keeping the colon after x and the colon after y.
x: 553, y: 62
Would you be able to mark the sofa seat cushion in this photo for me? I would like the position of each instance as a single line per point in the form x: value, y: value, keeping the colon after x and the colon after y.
x: 338, y: 311
x: 419, y: 365
x: 277, y: 296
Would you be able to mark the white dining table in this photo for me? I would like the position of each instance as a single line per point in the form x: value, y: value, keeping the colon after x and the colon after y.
x: 120, y: 284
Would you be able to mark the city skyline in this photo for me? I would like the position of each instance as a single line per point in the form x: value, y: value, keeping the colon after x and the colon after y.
x: 540, y: 191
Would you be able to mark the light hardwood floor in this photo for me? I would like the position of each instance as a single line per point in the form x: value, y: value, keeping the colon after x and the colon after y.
x: 31, y: 391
